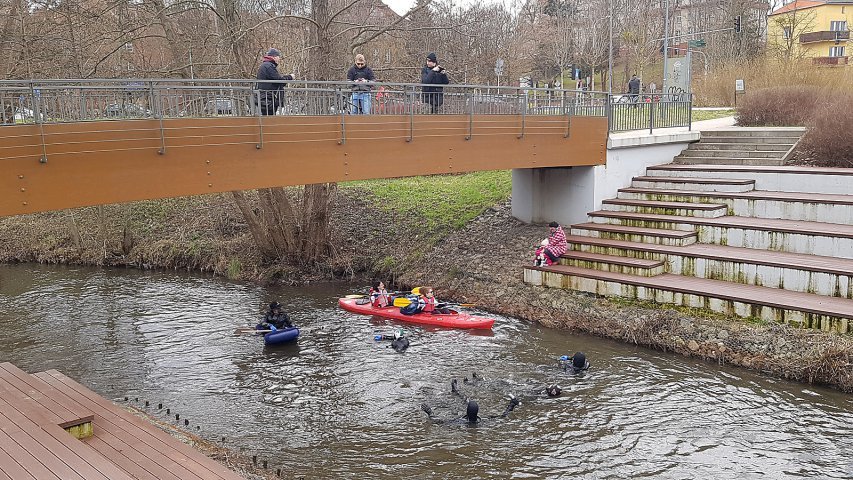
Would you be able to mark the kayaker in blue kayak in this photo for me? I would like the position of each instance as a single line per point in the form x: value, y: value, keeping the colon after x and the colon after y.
x: 275, y: 319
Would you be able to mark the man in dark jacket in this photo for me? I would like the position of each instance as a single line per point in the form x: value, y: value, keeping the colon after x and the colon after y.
x: 361, y: 74
x: 275, y: 319
x: 634, y: 88
x: 271, y: 94
x: 434, y: 74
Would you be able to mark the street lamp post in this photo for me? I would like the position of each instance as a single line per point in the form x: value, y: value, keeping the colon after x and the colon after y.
x: 666, y: 45
x: 610, y: 47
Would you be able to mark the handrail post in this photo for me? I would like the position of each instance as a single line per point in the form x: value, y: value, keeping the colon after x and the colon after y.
x: 340, y: 96
x: 608, y: 105
x: 39, y: 121
x: 470, y: 115
x: 651, y: 117
x: 568, y: 114
x: 155, y: 101
x: 523, y: 115
x: 411, y: 115
x: 689, y: 112
x: 260, y: 144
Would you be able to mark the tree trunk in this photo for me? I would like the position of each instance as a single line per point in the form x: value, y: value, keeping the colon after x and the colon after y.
x: 6, y: 42
x: 256, y: 226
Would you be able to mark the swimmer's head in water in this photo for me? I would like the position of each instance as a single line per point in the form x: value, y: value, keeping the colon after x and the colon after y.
x: 473, y: 411
x: 578, y: 361
x: 554, y: 391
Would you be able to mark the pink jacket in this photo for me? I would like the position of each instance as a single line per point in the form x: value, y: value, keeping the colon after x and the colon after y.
x: 557, y: 242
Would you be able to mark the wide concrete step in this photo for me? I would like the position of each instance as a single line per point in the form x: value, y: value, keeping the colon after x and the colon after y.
x: 837, y: 181
x: 694, y: 184
x: 734, y: 153
x: 611, y: 263
x: 821, y: 275
x: 810, y: 207
x: 755, y: 132
x: 748, y: 301
x: 794, y: 236
x: 689, y: 160
x: 710, y: 145
x: 709, y: 210
x: 789, y: 140
x: 634, y: 234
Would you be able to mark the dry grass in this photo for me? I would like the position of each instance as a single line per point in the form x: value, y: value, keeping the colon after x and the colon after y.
x: 779, y: 107
x: 717, y: 89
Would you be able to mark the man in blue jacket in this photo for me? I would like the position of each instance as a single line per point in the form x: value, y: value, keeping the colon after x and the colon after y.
x: 434, y: 74
x: 271, y: 94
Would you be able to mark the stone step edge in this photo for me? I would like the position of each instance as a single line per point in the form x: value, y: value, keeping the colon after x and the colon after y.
x: 700, y: 180
x: 613, y: 259
x: 751, y: 294
x: 655, y: 232
x: 794, y: 261
x: 665, y: 204
x: 767, y: 195
x: 789, y: 169
x: 721, y: 223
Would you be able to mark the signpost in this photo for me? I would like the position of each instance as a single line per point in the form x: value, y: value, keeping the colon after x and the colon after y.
x: 499, y: 69
x: 740, y: 87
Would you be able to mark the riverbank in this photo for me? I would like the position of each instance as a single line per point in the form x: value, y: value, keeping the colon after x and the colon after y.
x: 482, y: 264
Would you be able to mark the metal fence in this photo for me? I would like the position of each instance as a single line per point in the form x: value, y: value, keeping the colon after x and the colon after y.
x: 56, y: 101
x: 650, y: 111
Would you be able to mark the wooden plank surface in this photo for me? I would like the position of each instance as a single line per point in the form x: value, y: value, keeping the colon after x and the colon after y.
x: 147, y: 436
x: 24, y: 386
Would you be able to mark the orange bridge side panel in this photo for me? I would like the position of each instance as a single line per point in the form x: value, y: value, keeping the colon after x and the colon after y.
x: 70, y: 165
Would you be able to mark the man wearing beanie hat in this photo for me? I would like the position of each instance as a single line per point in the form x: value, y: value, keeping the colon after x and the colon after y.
x: 433, y: 74
x: 271, y: 94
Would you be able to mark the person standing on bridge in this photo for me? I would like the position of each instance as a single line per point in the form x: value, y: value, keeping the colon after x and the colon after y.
x: 433, y: 74
x: 271, y: 94
x: 361, y: 74
x: 634, y: 88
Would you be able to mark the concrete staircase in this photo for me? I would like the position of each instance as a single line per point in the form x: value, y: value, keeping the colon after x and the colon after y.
x: 742, y: 146
x: 745, y: 240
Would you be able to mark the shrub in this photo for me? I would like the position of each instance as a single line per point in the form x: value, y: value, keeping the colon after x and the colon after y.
x: 829, y: 141
x: 779, y: 107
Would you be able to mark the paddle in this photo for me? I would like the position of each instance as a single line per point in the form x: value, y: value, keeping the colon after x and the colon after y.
x: 404, y: 302
x: 242, y: 330
x: 355, y: 296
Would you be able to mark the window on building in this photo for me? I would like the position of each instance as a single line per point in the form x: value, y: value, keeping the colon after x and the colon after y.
x: 129, y: 47
x: 836, y: 51
x: 838, y: 26
x: 786, y: 33
x: 387, y: 56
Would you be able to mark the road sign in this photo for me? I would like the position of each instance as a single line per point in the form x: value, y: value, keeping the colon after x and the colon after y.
x: 499, y: 67
x: 739, y: 86
x: 696, y: 43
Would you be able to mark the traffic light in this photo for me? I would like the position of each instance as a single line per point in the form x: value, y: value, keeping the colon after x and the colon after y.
x: 737, y: 24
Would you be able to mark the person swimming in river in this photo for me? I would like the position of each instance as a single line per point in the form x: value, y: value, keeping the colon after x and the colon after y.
x: 275, y: 319
x: 472, y: 409
x: 575, y: 364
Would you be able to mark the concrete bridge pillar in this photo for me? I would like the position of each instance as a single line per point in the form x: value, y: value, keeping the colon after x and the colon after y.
x: 567, y: 194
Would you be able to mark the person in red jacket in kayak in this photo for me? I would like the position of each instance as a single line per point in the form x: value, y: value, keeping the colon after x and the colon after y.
x: 431, y: 304
x: 379, y: 296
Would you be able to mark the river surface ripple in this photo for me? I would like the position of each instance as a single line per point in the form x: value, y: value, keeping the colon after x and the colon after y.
x: 339, y: 405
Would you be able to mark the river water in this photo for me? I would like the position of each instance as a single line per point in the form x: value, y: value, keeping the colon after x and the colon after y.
x: 337, y: 404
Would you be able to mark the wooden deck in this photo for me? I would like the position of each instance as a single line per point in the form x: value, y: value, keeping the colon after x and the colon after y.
x: 34, y: 444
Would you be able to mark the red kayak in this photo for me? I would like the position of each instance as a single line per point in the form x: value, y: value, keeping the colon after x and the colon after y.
x: 452, y: 320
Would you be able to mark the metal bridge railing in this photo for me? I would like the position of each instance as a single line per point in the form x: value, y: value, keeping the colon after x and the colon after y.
x: 57, y: 101
x: 650, y: 111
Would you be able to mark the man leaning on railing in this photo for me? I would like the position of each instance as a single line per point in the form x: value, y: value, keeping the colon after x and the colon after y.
x: 270, y: 94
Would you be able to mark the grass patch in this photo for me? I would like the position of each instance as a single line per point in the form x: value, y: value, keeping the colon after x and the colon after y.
x: 438, y: 203
x: 699, y: 115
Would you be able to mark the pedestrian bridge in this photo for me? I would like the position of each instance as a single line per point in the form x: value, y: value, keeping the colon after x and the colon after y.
x: 77, y: 143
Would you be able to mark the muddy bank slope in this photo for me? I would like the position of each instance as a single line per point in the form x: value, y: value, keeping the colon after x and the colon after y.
x: 482, y: 264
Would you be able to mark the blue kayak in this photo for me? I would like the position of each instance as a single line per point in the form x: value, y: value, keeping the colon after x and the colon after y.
x: 281, y: 336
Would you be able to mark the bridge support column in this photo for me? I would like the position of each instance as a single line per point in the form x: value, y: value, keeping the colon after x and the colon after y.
x: 567, y: 194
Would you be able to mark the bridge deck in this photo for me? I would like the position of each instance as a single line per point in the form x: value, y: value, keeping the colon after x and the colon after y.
x: 54, y: 166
